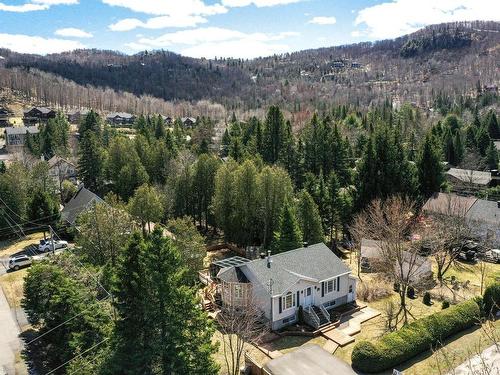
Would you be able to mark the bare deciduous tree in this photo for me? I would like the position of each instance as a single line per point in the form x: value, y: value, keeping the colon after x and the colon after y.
x: 239, y: 325
x: 391, y: 222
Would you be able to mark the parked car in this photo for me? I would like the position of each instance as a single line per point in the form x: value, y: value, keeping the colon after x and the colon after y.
x: 47, y: 246
x: 468, y: 256
x: 19, y: 261
x: 493, y: 255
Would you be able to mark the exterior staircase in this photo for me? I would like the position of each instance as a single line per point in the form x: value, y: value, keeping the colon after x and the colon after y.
x: 323, y: 319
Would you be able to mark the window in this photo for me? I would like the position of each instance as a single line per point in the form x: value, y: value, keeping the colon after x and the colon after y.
x: 309, y: 291
x: 288, y: 300
x: 330, y: 286
x: 350, y: 288
x: 238, y: 291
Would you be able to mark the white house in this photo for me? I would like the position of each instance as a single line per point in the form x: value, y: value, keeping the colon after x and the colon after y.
x: 61, y: 169
x: 312, y: 277
x: 414, y: 266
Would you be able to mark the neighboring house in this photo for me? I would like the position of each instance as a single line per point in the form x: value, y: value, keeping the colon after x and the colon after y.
x: 310, y: 359
x: 76, y: 116
x: 38, y: 115
x: 483, y: 215
x: 167, y: 120
x: 82, y: 201
x: 311, y: 277
x: 467, y: 180
x: 120, y: 118
x: 15, y: 137
x: 497, y: 145
x: 5, y: 114
x: 61, y: 169
x: 188, y: 122
x: 372, y: 259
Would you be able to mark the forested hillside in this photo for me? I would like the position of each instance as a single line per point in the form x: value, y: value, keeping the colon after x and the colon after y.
x: 452, y: 58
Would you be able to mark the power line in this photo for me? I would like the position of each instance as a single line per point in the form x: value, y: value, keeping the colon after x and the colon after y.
x: 79, y: 355
x: 63, y: 323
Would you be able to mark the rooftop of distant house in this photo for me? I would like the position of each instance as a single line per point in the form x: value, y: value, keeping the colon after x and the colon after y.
x: 470, y: 176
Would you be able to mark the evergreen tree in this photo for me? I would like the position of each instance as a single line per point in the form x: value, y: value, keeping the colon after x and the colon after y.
x: 309, y: 219
x: 458, y: 147
x: 288, y: 236
x: 161, y: 329
x: 91, y: 162
x: 492, y: 156
x: 43, y: 208
x: 430, y: 168
x: 274, y: 135
x: 91, y: 122
x: 483, y: 140
x: 470, y: 137
x: 492, y: 125
x: 132, y: 336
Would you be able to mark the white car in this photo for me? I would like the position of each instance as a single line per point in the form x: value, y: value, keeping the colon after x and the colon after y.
x: 19, y: 261
x: 46, y: 245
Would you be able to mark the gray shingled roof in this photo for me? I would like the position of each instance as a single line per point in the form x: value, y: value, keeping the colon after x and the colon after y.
x: 485, y: 211
x: 309, y: 359
x: 12, y: 130
x: 316, y: 262
x: 470, y: 176
x: 82, y: 200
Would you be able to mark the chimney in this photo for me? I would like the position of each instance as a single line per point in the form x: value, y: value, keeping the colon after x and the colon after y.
x: 498, y: 204
x: 262, y: 255
x: 305, y: 244
x: 269, y: 260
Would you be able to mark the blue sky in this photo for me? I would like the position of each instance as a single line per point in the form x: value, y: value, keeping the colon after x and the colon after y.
x: 229, y: 28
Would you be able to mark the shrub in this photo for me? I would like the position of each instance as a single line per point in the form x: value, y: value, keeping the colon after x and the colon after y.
x: 445, y: 304
x: 418, y: 336
x: 427, y: 299
x: 491, y: 299
x: 410, y: 292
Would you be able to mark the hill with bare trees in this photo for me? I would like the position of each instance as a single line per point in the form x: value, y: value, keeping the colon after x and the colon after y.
x: 455, y: 58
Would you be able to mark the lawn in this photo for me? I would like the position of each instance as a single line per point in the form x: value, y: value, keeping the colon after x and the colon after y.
x: 456, y: 349
x: 9, y: 247
x: 12, y: 285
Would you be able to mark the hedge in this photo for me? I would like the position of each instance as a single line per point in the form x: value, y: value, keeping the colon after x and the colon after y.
x: 491, y: 299
x: 417, y: 337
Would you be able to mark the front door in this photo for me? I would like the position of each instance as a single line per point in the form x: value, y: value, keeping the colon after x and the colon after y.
x: 308, y: 297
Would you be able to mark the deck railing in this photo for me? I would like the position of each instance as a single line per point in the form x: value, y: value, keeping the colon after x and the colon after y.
x: 311, y: 317
x: 324, y: 312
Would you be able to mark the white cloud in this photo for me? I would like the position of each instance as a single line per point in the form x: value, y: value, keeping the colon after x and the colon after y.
x: 169, y: 13
x: 34, y: 5
x: 72, y: 32
x: 169, y: 7
x: 356, y: 33
x: 160, y: 22
x: 36, y: 44
x: 216, y: 41
x: 393, y: 19
x: 323, y: 20
x: 257, y: 3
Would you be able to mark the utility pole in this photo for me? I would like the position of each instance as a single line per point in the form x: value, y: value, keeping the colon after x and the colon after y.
x: 52, y: 240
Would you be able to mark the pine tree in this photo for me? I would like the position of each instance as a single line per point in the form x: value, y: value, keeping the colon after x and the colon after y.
x: 91, y: 162
x: 492, y: 156
x: 288, y: 236
x: 483, y: 140
x: 274, y: 135
x: 309, y: 219
x: 492, y: 125
x: 132, y: 338
x: 458, y: 147
x: 430, y: 168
